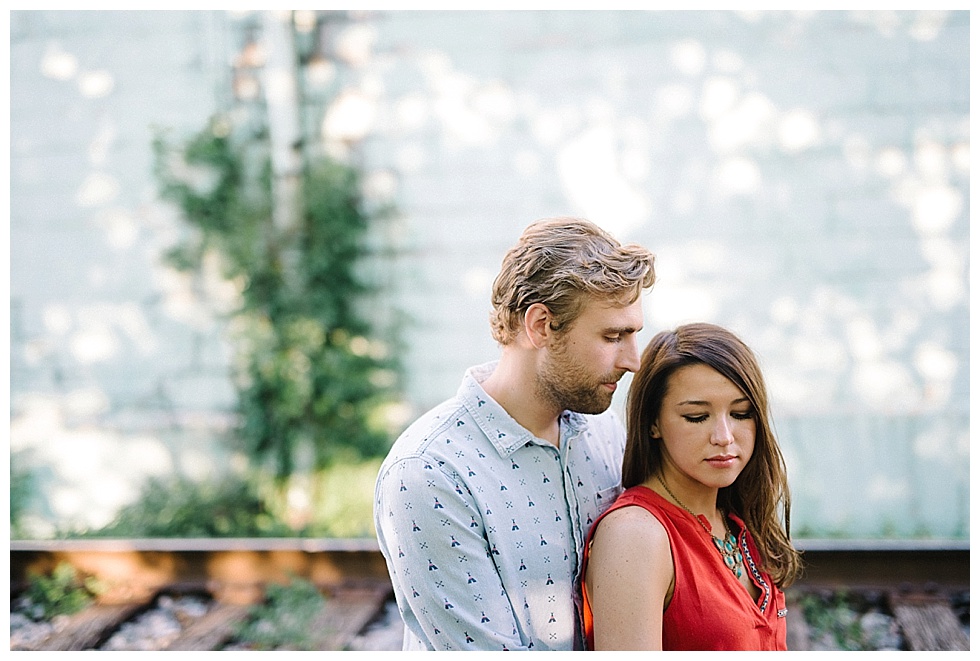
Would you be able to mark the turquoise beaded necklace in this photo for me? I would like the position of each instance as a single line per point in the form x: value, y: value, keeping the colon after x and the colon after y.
x: 728, y: 547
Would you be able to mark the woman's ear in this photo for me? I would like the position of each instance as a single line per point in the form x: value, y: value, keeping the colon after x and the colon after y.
x: 655, y: 431
x: 537, y: 325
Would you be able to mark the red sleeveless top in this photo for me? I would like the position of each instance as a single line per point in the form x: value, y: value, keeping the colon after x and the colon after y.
x: 710, y: 608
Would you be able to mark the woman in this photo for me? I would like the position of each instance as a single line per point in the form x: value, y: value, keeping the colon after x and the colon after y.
x: 695, y: 553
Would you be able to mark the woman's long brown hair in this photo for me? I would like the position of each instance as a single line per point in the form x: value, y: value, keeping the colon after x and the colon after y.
x: 760, y: 495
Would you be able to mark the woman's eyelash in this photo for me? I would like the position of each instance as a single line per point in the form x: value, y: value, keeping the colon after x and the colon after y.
x: 738, y: 415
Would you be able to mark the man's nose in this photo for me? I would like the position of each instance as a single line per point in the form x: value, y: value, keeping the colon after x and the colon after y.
x: 629, y: 356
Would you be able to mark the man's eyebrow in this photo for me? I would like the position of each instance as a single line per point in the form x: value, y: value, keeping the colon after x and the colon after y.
x: 622, y: 329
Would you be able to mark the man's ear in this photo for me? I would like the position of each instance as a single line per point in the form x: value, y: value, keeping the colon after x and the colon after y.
x: 537, y: 325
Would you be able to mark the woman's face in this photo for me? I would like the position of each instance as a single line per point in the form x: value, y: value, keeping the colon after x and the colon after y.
x: 707, y: 426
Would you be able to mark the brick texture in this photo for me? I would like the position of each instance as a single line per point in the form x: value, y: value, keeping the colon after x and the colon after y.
x: 802, y: 176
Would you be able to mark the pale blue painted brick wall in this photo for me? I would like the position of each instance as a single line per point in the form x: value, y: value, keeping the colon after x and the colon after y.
x: 855, y: 299
x: 115, y: 375
x: 843, y: 261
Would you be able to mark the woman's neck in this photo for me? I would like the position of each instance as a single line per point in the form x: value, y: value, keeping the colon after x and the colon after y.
x: 687, y: 494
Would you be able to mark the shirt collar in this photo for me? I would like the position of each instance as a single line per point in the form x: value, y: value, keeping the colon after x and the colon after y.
x: 505, y: 433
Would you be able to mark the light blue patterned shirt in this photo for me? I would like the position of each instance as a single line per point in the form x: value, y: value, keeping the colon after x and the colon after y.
x: 482, y: 524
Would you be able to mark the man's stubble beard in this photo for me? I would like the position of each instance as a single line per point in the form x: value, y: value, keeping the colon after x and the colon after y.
x: 570, y: 386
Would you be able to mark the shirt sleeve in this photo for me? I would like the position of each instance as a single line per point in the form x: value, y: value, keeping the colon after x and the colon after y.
x: 440, y: 563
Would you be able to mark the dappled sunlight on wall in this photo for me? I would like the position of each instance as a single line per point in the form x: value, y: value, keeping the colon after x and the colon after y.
x: 93, y: 333
x: 106, y: 342
x: 802, y: 176
x: 590, y: 171
x: 97, y: 189
x: 81, y: 456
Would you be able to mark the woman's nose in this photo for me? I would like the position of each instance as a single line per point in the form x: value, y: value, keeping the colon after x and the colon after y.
x: 722, y: 432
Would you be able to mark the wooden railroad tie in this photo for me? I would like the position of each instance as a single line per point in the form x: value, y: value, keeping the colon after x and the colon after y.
x: 928, y: 621
x: 346, y: 613
x: 88, y: 628
x: 347, y: 610
x: 211, y: 631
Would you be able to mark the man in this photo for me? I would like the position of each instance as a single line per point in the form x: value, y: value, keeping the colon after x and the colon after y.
x: 482, y: 504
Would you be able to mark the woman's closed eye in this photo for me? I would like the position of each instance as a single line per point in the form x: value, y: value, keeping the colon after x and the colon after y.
x: 738, y: 415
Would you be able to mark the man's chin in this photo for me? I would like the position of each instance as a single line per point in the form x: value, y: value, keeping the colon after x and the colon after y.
x: 593, y: 407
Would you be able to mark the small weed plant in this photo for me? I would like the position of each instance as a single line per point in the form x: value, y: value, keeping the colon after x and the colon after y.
x: 63, y: 592
x: 835, y: 620
x: 285, y: 621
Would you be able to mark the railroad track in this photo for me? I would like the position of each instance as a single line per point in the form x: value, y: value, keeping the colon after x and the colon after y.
x: 918, y: 580
x: 231, y: 574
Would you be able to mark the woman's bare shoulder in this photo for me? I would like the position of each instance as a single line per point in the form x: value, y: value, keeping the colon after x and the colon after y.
x: 630, y: 525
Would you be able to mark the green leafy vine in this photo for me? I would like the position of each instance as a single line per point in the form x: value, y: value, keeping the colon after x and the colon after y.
x: 312, y: 378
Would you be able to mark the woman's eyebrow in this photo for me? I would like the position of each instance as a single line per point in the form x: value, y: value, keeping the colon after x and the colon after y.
x: 698, y: 402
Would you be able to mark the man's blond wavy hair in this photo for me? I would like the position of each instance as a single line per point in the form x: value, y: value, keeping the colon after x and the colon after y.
x: 562, y: 263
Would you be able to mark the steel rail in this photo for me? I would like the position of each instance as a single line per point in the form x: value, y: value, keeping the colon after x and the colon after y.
x: 233, y: 569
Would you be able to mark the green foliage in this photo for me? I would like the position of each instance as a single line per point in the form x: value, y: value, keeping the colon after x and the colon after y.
x: 311, y: 376
x: 21, y: 495
x: 233, y: 507
x: 63, y: 592
x: 285, y: 621
x: 835, y: 616
x: 344, y: 508
x: 183, y: 508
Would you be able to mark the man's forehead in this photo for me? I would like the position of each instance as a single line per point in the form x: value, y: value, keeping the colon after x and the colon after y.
x: 613, y: 314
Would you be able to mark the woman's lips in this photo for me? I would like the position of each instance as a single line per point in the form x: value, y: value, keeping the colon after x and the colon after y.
x: 722, y: 461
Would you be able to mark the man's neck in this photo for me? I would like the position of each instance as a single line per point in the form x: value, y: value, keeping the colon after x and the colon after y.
x: 513, y: 385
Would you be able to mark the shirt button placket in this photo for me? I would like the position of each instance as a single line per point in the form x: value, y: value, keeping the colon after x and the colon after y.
x: 571, y: 499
